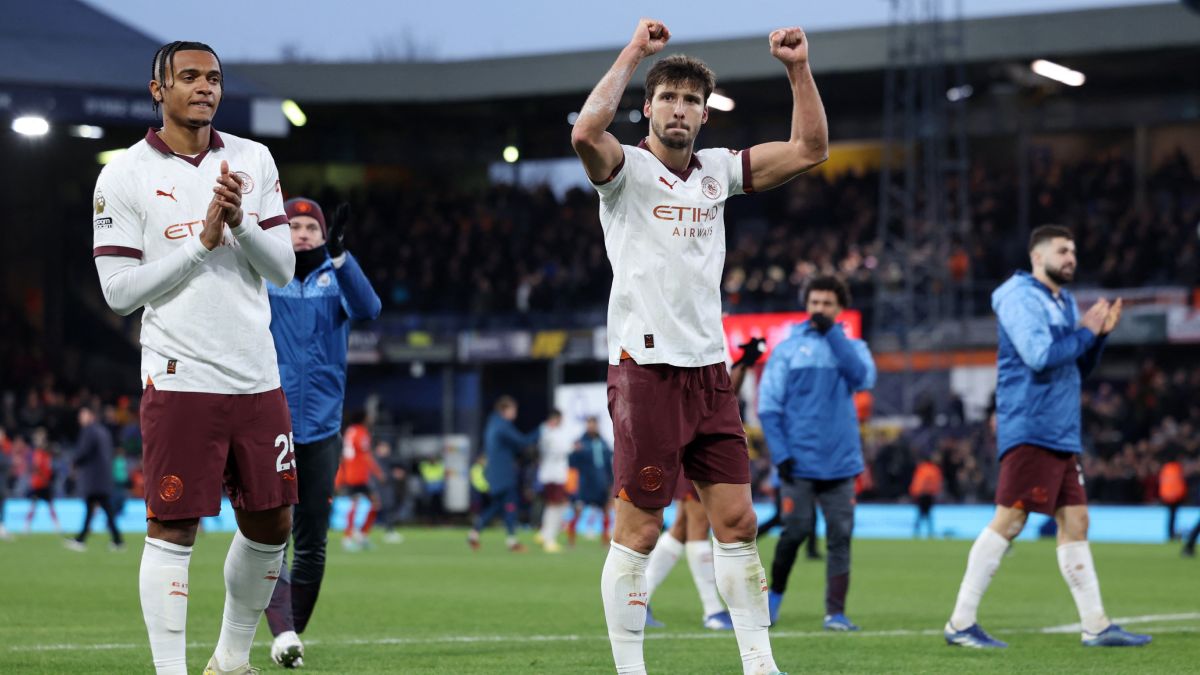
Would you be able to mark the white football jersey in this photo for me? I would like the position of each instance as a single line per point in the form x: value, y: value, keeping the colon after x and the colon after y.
x: 665, y: 236
x: 211, y: 333
x: 554, y: 453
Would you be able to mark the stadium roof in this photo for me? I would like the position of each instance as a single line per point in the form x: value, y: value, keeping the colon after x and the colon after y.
x: 1098, y: 31
x: 66, y: 61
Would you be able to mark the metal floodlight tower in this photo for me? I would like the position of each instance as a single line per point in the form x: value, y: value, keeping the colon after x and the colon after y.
x: 923, y: 202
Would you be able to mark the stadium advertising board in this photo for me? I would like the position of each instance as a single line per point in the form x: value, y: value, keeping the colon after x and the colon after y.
x: 775, y: 327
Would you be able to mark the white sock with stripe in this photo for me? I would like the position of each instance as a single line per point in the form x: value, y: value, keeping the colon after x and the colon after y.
x: 700, y: 562
x: 163, y: 587
x: 662, y: 560
x: 1075, y: 563
x: 743, y: 583
x: 982, y: 563
x: 623, y: 589
x: 251, y: 571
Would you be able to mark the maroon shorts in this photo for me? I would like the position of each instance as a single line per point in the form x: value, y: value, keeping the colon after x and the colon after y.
x: 685, y: 490
x: 554, y: 493
x: 196, y: 444
x: 666, y: 418
x: 1038, y: 480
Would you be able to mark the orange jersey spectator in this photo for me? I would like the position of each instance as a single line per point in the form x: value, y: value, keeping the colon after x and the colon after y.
x: 358, y: 464
x: 43, y: 470
x: 926, y: 481
x: 1172, y: 487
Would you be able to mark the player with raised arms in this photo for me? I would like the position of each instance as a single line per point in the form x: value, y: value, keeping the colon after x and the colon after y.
x: 186, y: 225
x: 662, y: 209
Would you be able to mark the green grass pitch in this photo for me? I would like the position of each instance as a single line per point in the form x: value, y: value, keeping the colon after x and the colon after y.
x: 430, y: 605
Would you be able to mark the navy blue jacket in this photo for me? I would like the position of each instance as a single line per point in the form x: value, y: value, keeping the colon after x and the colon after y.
x: 594, y: 461
x: 93, y: 461
x: 310, y: 321
x: 503, y: 445
x: 1043, y: 357
x: 806, y: 402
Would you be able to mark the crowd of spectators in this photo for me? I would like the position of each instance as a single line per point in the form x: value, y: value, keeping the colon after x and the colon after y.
x: 508, y: 249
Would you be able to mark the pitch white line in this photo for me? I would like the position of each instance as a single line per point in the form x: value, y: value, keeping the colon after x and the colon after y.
x: 708, y: 635
x: 1127, y: 620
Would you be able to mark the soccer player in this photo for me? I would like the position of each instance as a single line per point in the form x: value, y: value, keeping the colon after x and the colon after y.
x: 662, y: 210
x: 810, y: 422
x: 503, y: 446
x: 593, y: 460
x: 554, y: 452
x: 1045, y: 351
x: 94, y: 470
x: 354, y: 477
x: 310, y: 323
x: 185, y: 224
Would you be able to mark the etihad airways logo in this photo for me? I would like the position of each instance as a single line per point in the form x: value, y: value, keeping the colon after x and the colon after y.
x: 686, y: 214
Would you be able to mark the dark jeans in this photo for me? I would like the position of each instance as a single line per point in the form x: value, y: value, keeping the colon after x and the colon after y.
x: 503, y: 500
x: 836, y: 498
x: 296, y: 592
x: 104, y: 501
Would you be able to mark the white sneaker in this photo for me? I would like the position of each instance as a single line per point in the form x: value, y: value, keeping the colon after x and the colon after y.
x: 287, y: 650
x: 349, y: 544
x: 393, y: 537
x: 75, y: 545
x: 245, y: 669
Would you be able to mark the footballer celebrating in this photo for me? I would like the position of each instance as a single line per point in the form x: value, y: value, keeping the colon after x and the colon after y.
x: 186, y: 225
x: 669, y: 391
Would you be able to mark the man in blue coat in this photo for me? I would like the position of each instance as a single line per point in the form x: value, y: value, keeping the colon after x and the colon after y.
x: 593, y: 459
x: 94, y: 475
x: 310, y: 321
x: 503, y: 444
x: 806, y: 406
x: 1045, y: 352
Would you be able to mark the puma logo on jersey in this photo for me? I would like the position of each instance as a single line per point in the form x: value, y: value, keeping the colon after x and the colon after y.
x: 664, y: 182
x: 171, y: 194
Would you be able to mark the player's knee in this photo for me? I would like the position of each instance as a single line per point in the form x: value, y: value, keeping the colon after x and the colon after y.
x: 739, y: 525
x: 1075, y: 526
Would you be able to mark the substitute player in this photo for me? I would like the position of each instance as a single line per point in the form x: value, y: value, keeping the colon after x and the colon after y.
x: 186, y: 225
x: 1045, y: 352
x: 310, y: 322
x: 662, y: 210
x: 354, y: 477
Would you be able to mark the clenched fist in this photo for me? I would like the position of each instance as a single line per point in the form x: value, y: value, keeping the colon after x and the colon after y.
x: 650, y: 36
x: 789, y: 45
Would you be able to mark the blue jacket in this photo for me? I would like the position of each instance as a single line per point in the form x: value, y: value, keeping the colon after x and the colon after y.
x: 310, y: 321
x: 1042, y: 360
x: 503, y: 445
x: 594, y: 461
x: 806, y: 402
x: 93, y: 461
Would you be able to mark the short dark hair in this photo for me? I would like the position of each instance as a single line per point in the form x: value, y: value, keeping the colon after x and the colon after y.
x: 680, y: 69
x: 1046, y: 233
x: 555, y: 414
x: 164, y: 59
x: 505, y: 402
x: 829, y: 283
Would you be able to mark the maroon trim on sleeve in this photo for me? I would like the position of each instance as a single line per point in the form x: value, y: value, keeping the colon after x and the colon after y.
x: 122, y: 251
x: 747, y: 176
x: 614, y: 173
x: 267, y: 224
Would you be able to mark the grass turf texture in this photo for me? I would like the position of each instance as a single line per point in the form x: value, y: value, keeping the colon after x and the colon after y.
x: 430, y: 605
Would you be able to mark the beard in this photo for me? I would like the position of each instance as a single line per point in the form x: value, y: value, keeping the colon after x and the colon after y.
x: 1060, y: 276
x: 673, y: 142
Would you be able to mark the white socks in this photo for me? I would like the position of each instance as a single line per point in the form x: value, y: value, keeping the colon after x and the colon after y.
x: 743, y: 583
x: 700, y: 561
x: 662, y: 560
x: 163, y: 586
x: 251, y: 570
x: 552, y: 518
x: 1075, y: 563
x: 623, y: 589
x: 982, y: 563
